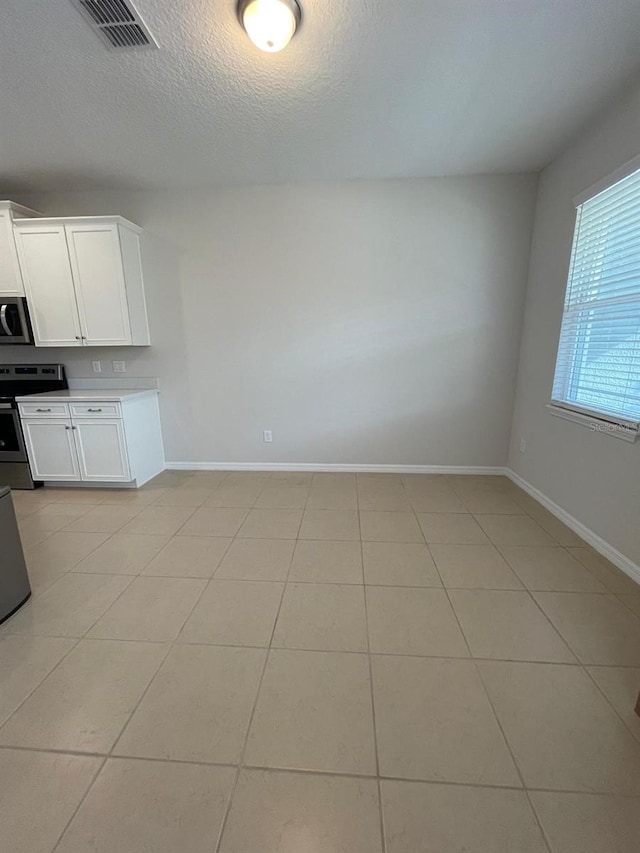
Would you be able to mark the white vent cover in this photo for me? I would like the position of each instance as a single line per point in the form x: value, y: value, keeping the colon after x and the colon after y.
x: 118, y: 22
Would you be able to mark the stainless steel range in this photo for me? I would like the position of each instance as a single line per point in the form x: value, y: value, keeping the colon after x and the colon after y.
x: 17, y: 380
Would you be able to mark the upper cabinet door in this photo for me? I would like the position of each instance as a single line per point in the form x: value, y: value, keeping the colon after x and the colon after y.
x: 48, y: 281
x: 10, y: 277
x: 96, y: 261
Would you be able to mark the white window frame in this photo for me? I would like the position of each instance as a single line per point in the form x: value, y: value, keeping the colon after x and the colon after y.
x: 596, y: 421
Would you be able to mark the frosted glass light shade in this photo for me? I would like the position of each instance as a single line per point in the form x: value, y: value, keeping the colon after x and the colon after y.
x: 270, y: 24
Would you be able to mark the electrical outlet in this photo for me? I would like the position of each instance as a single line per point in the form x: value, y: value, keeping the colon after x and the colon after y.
x: 97, y: 366
x: 523, y: 445
x: 267, y: 436
x: 119, y: 366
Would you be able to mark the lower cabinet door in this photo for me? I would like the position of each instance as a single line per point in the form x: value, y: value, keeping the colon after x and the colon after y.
x: 51, y: 449
x: 102, y: 450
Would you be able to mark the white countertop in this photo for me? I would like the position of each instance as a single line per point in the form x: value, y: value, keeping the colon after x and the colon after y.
x: 86, y: 395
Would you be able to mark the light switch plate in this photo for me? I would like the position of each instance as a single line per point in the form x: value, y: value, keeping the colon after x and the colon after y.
x: 119, y: 366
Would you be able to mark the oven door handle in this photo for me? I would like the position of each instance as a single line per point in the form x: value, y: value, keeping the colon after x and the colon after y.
x: 3, y: 320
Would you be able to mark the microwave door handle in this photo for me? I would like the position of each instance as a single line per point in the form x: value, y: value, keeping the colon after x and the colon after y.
x: 3, y: 320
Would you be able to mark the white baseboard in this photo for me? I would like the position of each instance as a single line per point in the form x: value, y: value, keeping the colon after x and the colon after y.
x: 322, y: 467
x: 597, y: 542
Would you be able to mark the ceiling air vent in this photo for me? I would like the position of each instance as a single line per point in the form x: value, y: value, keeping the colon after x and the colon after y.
x: 118, y: 22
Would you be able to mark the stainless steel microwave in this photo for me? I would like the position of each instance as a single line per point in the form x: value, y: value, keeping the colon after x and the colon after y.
x: 15, y: 327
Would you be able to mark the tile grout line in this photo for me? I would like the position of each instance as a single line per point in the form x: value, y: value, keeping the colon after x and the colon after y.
x: 64, y: 527
x: 199, y: 598
x: 562, y: 548
x: 67, y: 528
x: 109, y: 606
x: 587, y: 547
x: 193, y: 509
x: 240, y: 765
x: 513, y: 758
x: 142, y: 695
x: 574, y: 664
x: 545, y: 837
x: 80, y: 559
x: 326, y: 773
x: 44, y: 678
x: 446, y: 591
x: 585, y: 667
x: 491, y: 705
x: 383, y: 841
x: 554, y: 628
x: 77, y: 808
x: 523, y: 588
x: 622, y: 595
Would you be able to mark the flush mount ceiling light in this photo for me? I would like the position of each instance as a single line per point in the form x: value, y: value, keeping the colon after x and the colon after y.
x: 270, y: 24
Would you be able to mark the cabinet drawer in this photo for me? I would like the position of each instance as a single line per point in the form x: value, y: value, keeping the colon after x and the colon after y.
x: 44, y: 410
x: 96, y: 410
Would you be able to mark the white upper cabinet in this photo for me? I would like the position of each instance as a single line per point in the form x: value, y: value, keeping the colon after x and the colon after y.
x: 10, y: 274
x: 51, y: 296
x: 96, y: 264
x: 83, y: 281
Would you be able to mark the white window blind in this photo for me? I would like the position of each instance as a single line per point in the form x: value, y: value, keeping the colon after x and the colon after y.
x: 598, y: 364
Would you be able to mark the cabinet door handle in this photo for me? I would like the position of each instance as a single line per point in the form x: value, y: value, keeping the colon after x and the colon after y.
x: 94, y: 410
x: 43, y: 410
x: 67, y: 427
x: 78, y: 338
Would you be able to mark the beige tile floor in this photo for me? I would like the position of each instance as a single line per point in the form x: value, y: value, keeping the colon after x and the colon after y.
x: 287, y: 662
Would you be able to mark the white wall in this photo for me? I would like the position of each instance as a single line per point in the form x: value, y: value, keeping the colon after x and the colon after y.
x: 594, y: 477
x: 373, y: 322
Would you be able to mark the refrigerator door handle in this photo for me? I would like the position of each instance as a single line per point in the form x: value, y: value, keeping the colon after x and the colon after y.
x: 3, y: 320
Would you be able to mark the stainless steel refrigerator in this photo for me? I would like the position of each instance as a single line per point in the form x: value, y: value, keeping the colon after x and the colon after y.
x: 14, y: 580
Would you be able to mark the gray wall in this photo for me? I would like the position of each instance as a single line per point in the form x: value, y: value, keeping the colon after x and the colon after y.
x: 594, y: 477
x: 372, y: 322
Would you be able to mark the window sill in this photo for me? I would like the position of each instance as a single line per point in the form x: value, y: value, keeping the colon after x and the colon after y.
x: 596, y: 422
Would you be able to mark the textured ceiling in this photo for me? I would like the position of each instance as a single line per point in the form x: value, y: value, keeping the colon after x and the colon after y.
x: 367, y: 89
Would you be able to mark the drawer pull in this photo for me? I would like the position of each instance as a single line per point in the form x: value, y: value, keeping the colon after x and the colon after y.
x: 43, y: 410
x: 94, y: 410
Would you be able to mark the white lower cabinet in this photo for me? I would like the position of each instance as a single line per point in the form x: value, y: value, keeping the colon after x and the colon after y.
x: 51, y: 448
x: 91, y: 450
x: 102, y: 450
x: 96, y: 442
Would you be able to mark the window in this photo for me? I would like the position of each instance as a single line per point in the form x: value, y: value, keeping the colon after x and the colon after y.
x: 598, y: 364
